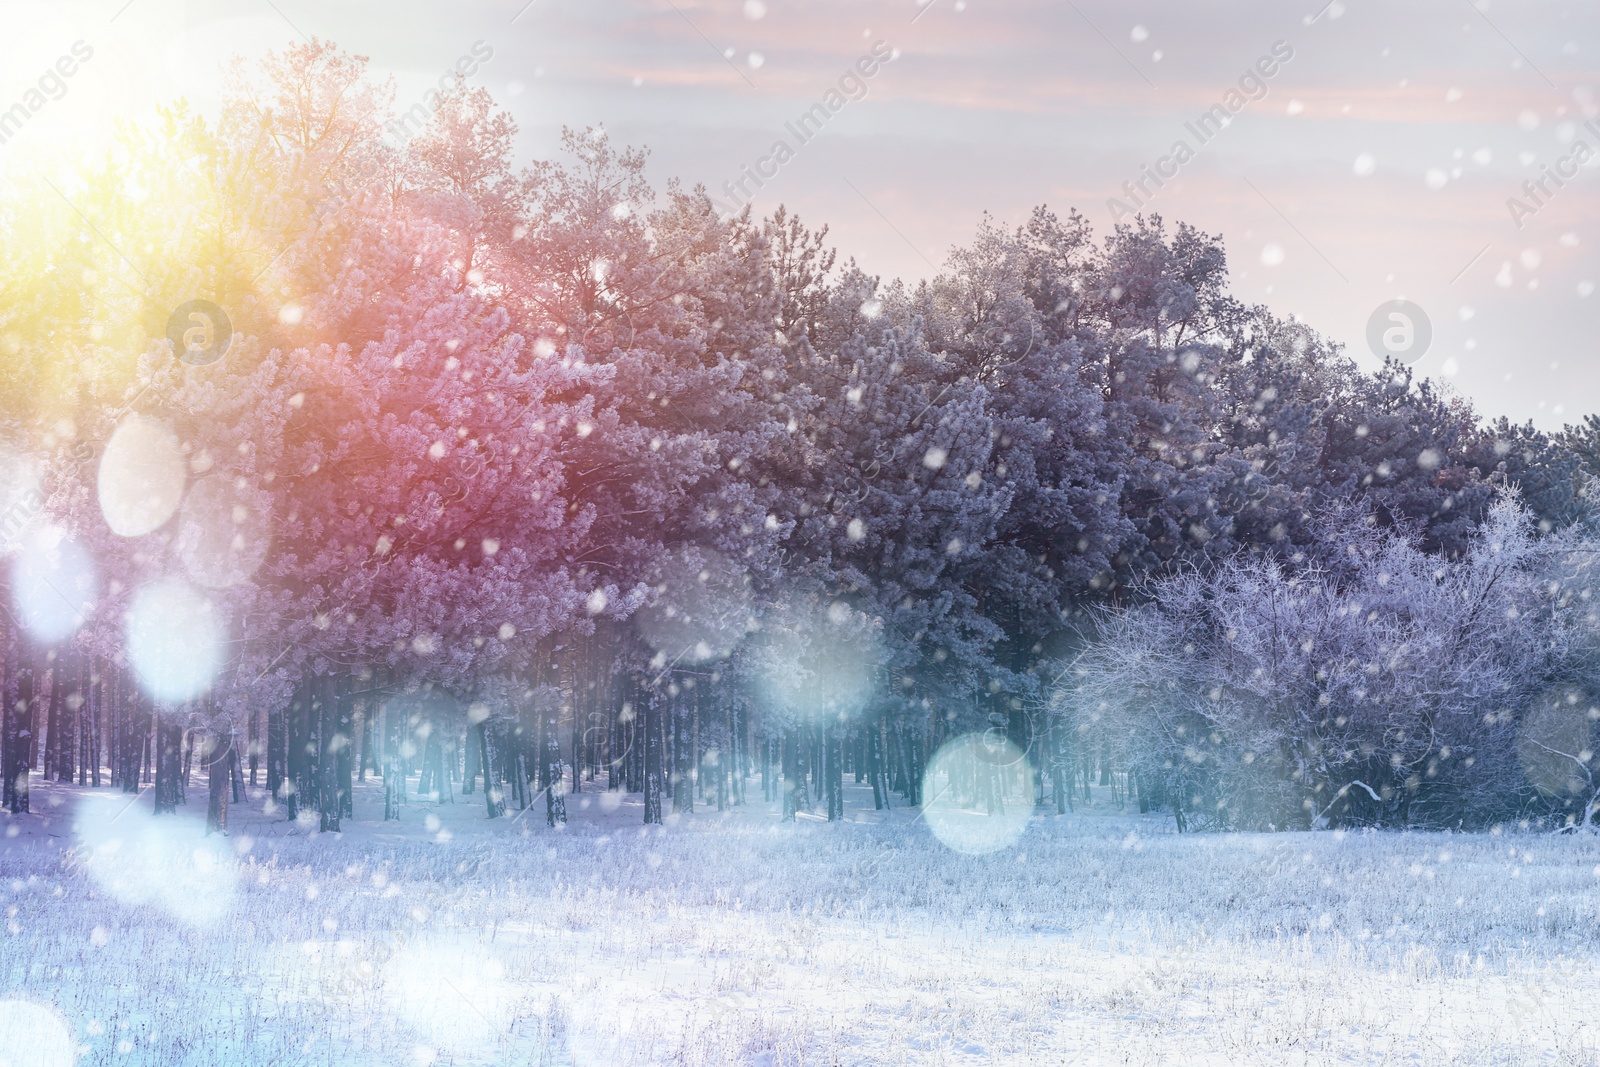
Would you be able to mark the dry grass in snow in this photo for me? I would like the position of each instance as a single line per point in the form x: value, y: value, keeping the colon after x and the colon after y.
x: 1101, y: 938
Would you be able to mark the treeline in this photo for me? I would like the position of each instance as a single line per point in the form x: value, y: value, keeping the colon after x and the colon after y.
x: 541, y: 477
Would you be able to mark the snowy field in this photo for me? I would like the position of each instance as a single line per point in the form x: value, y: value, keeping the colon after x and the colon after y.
x: 1101, y: 938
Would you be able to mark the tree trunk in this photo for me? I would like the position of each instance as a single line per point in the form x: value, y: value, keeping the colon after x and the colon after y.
x: 522, y: 763
x: 635, y: 718
x: 359, y: 731
x: 344, y: 749
x: 833, y: 775
x: 740, y: 732
x: 89, y: 732
x: 394, y: 782
x: 425, y: 782
x: 682, y: 783
x: 613, y: 735
x: 169, y: 765
x: 235, y: 767
x: 470, y: 775
x: 555, y: 805
x: 874, y: 762
x: 292, y: 790
x: 794, y: 786
x: 88, y: 745
x: 491, y: 737
x: 329, y: 738
x: 148, y: 725
x: 294, y: 754
x: 579, y: 705
x: 725, y: 757
x: 17, y: 735
x: 54, y: 750
x: 219, y: 780
x: 697, y: 755
x: 277, y: 753
x: 653, y: 784
x: 253, y: 743
x: 308, y: 746
x: 116, y: 716
x: 913, y: 765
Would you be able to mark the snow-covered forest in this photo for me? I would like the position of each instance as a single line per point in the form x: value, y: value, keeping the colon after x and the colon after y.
x: 533, y: 480
x: 504, y: 517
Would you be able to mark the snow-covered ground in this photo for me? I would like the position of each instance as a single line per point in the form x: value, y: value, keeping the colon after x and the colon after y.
x: 1100, y: 938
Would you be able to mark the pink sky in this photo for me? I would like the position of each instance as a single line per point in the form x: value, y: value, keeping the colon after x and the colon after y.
x: 998, y: 106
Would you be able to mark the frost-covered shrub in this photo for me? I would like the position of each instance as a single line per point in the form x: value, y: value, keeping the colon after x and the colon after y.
x: 1380, y: 685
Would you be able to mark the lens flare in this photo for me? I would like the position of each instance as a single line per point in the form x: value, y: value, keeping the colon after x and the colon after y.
x: 977, y: 793
x: 33, y: 1035
x: 21, y: 500
x: 701, y: 608
x: 224, y: 530
x: 53, y: 586
x: 174, y: 641
x: 141, y: 477
x: 453, y: 995
x: 165, y: 863
x: 821, y: 664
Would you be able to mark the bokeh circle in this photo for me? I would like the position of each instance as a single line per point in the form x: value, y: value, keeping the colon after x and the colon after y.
x: 977, y: 794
